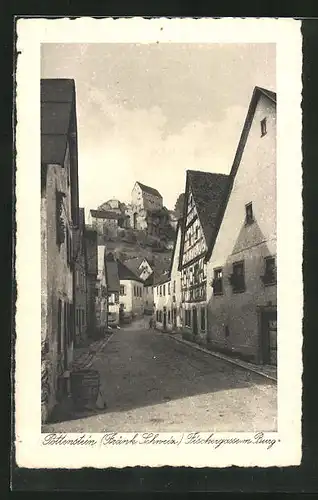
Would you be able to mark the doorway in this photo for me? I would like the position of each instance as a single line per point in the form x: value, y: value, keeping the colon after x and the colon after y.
x: 164, y: 319
x: 269, y: 337
x: 135, y: 220
x: 195, y: 320
x: 174, y: 317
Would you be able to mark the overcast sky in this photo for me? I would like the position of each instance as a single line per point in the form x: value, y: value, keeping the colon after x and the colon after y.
x: 149, y: 112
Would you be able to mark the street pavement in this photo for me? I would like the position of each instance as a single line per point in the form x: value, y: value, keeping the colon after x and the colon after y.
x: 152, y: 383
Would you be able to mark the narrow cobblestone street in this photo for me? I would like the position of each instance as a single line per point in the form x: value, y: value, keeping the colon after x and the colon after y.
x: 153, y: 383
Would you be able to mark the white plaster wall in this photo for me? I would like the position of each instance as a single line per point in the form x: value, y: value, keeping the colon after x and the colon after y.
x: 255, y: 182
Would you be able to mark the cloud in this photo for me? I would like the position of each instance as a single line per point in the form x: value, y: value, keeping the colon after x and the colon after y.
x: 131, y: 144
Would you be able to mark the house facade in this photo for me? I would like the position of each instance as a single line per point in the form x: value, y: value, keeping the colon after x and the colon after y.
x: 59, y: 218
x: 100, y: 292
x: 112, y: 284
x: 175, y: 277
x: 148, y: 295
x: 203, y: 197
x: 80, y: 267
x: 162, y: 300
x: 131, y: 293
x: 144, y: 200
x: 107, y: 223
x: 91, y: 250
x: 242, y: 295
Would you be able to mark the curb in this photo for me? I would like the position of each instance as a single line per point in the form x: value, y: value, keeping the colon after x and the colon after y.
x: 236, y: 362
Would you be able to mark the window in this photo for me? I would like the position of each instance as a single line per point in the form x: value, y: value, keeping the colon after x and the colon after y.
x: 169, y: 291
x: 190, y: 240
x: 60, y: 226
x: 157, y: 315
x: 217, y: 283
x: 187, y: 317
x: 196, y: 274
x: 164, y: 290
x: 122, y: 290
x: 203, y: 319
x: 77, y: 317
x: 160, y: 316
x: 269, y: 278
x: 134, y: 291
x: 227, y: 331
x: 263, y: 127
x: 83, y: 316
x: 160, y: 291
x: 169, y: 316
x: 237, y: 279
x: 174, y: 286
x: 249, y: 217
x: 196, y: 233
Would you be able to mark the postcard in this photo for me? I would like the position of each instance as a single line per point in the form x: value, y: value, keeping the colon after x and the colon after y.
x: 159, y: 242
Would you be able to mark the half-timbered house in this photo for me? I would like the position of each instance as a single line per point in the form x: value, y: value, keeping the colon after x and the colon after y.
x: 204, y: 194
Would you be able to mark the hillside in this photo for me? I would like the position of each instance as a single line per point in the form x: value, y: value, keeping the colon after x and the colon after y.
x: 131, y: 243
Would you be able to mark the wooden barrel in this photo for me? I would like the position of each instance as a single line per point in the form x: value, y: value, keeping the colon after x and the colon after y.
x: 85, y: 386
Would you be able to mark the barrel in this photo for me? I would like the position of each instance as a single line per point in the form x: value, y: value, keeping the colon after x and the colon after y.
x: 85, y: 386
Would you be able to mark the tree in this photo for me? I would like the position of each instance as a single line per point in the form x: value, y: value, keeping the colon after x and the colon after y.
x: 178, y: 208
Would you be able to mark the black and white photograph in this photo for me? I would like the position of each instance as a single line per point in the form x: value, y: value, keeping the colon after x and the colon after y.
x: 162, y: 268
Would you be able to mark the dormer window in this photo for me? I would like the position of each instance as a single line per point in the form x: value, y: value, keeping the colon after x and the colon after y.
x: 263, y: 127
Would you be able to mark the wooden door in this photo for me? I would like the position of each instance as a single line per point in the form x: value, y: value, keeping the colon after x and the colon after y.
x: 269, y: 337
x: 164, y: 320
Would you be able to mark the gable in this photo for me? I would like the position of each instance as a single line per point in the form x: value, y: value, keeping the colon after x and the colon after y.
x: 149, y: 190
x: 204, y: 195
x: 261, y: 98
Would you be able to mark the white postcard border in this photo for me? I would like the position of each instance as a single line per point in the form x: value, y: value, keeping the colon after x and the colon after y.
x: 31, y: 452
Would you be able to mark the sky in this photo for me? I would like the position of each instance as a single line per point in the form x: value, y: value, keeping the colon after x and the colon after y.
x: 149, y: 112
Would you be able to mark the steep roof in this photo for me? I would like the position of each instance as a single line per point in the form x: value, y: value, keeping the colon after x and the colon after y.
x: 125, y: 273
x: 57, y: 105
x: 178, y: 228
x: 134, y: 264
x: 149, y: 281
x: 111, y: 274
x: 105, y: 214
x: 149, y: 189
x: 257, y: 93
x: 268, y: 93
x: 208, y: 190
x: 160, y: 279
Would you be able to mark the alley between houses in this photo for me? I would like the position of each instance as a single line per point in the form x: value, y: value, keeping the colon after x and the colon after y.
x: 153, y: 383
